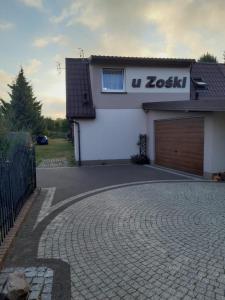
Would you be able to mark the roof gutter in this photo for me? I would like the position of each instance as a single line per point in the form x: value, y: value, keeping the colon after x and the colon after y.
x: 79, y: 147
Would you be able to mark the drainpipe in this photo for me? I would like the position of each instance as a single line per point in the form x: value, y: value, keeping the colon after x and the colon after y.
x: 191, y: 81
x: 79, y: 150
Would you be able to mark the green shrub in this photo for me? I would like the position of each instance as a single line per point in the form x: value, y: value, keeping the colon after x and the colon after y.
x: 4, y: 145
x: 10, y: 141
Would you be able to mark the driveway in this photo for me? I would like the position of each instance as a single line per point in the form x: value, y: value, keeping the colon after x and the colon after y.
x: 126, y: 232
x: 73, y: 181
x: 144, y: 241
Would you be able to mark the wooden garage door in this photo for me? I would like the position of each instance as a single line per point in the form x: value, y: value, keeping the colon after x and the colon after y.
x: 179, y: 144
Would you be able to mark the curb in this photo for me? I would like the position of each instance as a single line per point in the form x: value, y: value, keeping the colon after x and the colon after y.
x: 8, y: 241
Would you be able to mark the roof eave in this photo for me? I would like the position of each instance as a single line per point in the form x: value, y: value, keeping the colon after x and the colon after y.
x: 187, y: 106
x: 145, y: 61
x: 80, y: 116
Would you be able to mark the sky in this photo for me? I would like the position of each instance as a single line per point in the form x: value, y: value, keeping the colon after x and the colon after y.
x: 39, y: 34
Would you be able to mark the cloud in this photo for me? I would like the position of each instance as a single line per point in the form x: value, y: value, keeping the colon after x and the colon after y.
x: 150, y: 27
x: 98, y: 13
x: 54, y: 107
x: 79, y: 12
x: 32, y: 67
x: 5, y: 25
x: 33, y: 3
x: 169, y: 28
x: 5, y: 79
x: 118, y: 26
x: 43, y: 42
x: 111, y: 43
x: 184, y: 23
x: 51, y: 92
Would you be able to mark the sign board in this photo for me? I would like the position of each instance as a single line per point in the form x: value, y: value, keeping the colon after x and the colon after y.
x: 157, y: 80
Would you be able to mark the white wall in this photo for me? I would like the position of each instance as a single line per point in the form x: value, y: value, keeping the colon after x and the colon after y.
x: 113, y: 134
x: 76, y: 145
x: 215, y: 143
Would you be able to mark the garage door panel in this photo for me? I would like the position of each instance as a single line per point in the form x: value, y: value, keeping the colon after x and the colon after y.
x: 180, y: 149
x: 179, y: 144
x: 195, y: 158
x: 183, y: 162
x: 182, y: 166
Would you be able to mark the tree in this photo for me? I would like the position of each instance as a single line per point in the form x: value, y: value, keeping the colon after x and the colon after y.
x: 207, y: 57
x: 3, y: 131
x: 24, y: 111
x: 4, y: 109
x: 56, y: 128
x: 224, y: 57
x: 49, y: 124
x: 2, y: 123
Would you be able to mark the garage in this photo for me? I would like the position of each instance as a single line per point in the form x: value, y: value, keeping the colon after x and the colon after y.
x: 179, y: 144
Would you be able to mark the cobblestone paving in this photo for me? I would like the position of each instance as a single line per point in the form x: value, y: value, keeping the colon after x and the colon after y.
x: 54, y: 163
x: 150, y: 241
x: 40, y: 280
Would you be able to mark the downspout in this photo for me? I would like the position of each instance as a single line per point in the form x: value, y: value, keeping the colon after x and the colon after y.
x: 191, y: 81
x: 79, y: 148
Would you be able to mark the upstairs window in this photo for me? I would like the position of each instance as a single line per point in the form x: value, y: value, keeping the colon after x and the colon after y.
x: 113, y: 80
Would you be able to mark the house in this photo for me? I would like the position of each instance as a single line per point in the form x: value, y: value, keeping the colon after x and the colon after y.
x: 178, y: 104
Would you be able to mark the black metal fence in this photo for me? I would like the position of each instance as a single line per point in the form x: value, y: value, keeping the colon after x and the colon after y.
x: 17, y: 182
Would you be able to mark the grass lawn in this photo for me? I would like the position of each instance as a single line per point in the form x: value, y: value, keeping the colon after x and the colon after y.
x: 56, y: 148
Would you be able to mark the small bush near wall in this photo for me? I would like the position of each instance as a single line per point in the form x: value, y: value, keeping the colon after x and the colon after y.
x: 140, y: 159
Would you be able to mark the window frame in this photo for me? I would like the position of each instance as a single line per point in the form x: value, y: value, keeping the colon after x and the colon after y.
x: 113, y: 90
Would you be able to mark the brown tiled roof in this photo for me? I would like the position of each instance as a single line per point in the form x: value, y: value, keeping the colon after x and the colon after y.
x: 79, y: 102
x: 211, y: 99
x: 214, y: 75
x: 188, y: 105
x: 141, y: 61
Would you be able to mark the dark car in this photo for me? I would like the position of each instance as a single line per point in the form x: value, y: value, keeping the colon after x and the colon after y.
x: 42, y: 140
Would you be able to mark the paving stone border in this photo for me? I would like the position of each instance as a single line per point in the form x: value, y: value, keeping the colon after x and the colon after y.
x: 40, y: 280
x: 46, y: 205
x: 23, y: 252
x: 7, y: 243
x: 54, y: 163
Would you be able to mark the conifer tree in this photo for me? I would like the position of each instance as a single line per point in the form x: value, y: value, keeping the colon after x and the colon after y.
x: 24, y: 110
x: 208, y: 58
